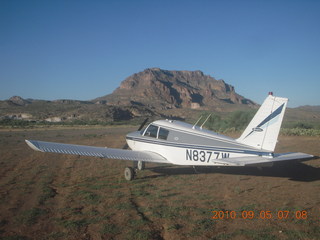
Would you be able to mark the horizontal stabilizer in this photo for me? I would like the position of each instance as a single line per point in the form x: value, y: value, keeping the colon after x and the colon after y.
x: 257, y: 160
x: 96, y: 151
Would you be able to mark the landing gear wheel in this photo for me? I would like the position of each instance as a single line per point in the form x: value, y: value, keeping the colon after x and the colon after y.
x: 141, y: 165
x: 128, y: 173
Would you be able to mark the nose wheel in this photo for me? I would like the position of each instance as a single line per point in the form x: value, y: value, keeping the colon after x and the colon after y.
x: 140, y: 165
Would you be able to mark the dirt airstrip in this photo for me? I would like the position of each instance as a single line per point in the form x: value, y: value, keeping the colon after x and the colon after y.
x: 54, y: 196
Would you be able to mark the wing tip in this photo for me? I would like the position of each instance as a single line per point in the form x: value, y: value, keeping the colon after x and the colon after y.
x: 32, y: 145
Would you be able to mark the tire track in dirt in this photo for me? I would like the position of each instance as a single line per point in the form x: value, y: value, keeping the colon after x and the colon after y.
x: 63, y: 187
x: 156, y: 233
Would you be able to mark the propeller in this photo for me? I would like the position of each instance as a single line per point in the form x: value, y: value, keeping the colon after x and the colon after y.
x: 142, y: 124
x: 139, y: 129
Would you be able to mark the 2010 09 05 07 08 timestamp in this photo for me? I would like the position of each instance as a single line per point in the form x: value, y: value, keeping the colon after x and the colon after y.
x: 263, y: 214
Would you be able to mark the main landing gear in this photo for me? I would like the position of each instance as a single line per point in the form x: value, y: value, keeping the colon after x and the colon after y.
x: 130, y: 172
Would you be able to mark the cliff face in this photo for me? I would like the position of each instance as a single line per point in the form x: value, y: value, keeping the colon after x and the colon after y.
x: 165, y: 89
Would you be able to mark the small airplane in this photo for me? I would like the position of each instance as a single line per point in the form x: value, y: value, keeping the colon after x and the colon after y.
x: 179, y: 143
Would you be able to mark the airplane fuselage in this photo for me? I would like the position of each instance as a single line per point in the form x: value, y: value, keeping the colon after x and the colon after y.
x: 184, y: 144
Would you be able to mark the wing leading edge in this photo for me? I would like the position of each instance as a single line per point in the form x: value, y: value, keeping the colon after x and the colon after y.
x: 96, y: 151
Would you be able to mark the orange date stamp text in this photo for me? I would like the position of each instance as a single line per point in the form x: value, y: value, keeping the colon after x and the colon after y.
x: 263, y: 214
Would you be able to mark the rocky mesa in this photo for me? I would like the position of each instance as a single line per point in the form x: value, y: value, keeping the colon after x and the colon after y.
x: 163, y: 89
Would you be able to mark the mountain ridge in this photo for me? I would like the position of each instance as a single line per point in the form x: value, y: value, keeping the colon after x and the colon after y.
x: 153, y: 93
x: 167, y: 89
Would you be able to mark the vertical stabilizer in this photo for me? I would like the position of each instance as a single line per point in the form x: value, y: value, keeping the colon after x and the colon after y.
x: 263, y: 130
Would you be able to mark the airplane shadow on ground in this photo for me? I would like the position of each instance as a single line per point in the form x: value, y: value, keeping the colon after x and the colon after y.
x: 295, y: 171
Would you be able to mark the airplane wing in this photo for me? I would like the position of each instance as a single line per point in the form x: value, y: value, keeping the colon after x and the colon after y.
x: 257, y: 160
x: 96, y: 151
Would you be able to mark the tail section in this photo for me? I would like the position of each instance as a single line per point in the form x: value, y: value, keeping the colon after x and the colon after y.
x: 263, y: 130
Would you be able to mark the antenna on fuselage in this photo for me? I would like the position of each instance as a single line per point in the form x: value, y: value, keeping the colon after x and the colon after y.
x: 205, y: 121
x: 196, y: 122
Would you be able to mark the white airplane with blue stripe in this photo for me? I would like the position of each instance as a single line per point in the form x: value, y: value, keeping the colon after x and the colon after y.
x: 179, y: 143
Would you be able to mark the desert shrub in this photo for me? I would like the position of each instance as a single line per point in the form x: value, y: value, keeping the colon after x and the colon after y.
x: 300, y: 132
x: 302, y: 125
x: 235, y: 121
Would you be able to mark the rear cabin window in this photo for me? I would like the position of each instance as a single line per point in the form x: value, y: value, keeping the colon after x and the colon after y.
x: 163, y: 134
x: 151, y: 131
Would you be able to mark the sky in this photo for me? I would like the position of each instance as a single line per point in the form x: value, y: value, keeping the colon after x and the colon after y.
x: 76, y: 49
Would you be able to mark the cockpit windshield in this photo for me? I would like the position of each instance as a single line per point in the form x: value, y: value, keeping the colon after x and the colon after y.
x: 151, y: 131
x: 156, y: 132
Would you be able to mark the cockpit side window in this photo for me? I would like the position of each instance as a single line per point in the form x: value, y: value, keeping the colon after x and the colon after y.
x: 163, y: 134
x: 151, y: 131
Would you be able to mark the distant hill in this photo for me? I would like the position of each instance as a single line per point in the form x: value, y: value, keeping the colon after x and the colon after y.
x: 153, y: 93
x: 66, y: 110
x: 164, y: 89
x: 310, y: 114
x: 310, y: 108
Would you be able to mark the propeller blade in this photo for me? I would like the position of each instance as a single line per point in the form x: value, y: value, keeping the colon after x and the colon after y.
x: 142, y: 124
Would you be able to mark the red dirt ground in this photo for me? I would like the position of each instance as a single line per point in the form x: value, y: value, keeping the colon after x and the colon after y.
x: 53, y: 196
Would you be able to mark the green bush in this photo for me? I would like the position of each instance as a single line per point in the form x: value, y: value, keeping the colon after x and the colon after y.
x: 235, y: 121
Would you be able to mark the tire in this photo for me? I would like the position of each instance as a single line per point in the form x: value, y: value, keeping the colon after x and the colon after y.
x: 128, y: 173
x: 141, y: 165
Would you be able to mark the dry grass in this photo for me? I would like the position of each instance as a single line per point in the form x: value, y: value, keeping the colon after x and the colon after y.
x: 52, y: 196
